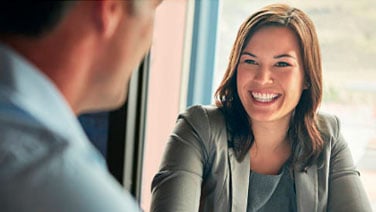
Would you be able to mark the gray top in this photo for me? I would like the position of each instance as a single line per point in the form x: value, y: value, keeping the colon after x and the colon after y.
x: 271, y: 192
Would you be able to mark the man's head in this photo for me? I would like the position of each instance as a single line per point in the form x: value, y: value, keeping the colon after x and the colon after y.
x: 87, y: 48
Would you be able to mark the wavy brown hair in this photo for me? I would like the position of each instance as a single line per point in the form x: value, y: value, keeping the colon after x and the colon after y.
x: 303, y: 133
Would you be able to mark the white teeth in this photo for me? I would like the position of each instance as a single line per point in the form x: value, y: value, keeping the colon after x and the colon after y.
x: 264, y: 97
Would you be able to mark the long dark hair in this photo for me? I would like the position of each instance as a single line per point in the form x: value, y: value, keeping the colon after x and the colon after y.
x: 303, y: 133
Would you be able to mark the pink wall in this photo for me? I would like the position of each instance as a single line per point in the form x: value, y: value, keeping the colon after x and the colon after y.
x: 164, y: 87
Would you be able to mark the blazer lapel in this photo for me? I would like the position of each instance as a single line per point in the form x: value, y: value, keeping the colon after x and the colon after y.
x: 239, y: 173
x: 306, y: 189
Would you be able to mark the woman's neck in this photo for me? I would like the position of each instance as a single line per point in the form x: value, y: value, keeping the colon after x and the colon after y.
x: 271, y: 147
x: 270, y: 135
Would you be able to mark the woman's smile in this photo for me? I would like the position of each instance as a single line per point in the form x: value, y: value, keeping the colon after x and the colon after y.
x: 264, y: 97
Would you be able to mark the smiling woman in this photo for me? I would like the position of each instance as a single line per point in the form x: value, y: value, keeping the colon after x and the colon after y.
x: 349, y: 77
x: 264, y: 130
x: 270, y: 81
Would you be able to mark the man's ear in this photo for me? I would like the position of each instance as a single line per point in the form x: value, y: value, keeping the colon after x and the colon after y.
x: 108, y: 14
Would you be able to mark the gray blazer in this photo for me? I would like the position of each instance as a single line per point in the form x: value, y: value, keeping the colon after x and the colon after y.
x: 199, y: 171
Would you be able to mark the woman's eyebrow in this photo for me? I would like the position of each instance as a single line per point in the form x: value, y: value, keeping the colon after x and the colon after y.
x: 284, y: 55
x: 248, y: 53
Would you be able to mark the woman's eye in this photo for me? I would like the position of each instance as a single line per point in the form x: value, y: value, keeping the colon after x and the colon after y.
x: 282, y: 64
x: 249, y: 61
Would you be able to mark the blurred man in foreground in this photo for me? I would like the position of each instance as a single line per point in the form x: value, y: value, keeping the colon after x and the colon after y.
x: 59, y: 59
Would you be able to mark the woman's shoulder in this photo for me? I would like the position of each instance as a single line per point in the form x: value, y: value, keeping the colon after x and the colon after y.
x: 200, y: 113
x: 206, y: 120
x: 328, y: 124
x: 202, y: 108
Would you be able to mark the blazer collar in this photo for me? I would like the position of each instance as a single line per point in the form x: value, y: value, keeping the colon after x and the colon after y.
x: 239, y: 182
x: 306, y: 187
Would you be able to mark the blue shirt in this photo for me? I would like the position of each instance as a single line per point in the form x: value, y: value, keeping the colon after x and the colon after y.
x: 46, y: 160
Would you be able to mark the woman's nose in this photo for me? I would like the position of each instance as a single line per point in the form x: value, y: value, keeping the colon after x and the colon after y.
x: 263, y: 76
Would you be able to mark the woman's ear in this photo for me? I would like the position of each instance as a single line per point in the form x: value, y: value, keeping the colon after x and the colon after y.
x: 307, y: 85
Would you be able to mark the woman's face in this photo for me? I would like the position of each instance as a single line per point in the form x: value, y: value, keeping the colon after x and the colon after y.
x: 270, y: 77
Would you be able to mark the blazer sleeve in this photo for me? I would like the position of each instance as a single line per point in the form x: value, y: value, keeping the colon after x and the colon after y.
x: 177, y: 185
x: 346, y: 192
